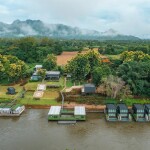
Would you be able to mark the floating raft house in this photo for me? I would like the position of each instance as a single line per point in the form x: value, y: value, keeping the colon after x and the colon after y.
x: 123, y: 113
x: 57, y: 114
x: 147, y: 111
x: 11, y: 109
x: 138, y: 112
x: 111, y: 112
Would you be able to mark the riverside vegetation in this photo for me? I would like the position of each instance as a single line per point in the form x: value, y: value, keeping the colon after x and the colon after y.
x: 119, y: 69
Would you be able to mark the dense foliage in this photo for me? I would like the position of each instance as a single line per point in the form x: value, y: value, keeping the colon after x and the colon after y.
x: 30, y: 49
x: 11, y: 68
x: 129, y: 61
x: 49, y: 62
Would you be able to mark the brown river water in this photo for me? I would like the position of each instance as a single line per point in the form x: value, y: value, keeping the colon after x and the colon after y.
x: 32, y: 131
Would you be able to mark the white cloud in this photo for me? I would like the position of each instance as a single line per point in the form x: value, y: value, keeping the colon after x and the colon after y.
x: 128, y: 17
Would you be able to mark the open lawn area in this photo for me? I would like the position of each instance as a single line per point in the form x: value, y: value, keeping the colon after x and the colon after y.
x: 69, y: 83
x: 49, y: 97
x: 3, y: 91
x: 131, y: 101
x: 67, y: 56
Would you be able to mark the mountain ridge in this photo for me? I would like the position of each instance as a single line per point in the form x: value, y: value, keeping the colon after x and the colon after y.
x: 38, y: 28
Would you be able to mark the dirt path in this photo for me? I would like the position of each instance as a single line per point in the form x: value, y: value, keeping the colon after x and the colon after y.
x: 69, y: 106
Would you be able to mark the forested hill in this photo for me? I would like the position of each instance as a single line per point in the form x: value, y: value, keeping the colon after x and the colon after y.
x: 38, y: 28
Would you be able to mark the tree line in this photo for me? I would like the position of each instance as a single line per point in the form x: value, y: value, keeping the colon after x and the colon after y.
x: 31, y: 49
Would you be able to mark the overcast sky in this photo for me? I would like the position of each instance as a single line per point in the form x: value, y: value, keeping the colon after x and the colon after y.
x: 125, y: 16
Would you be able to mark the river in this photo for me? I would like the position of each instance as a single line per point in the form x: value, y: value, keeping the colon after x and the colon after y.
x: 32, y: 131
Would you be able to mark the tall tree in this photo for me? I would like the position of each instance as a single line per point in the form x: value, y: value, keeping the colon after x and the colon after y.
x: 79, y: 67
x: 99, y: 73
x: 113, y: 86
x: 137, y: 75
x: 50, y: 62
x: 93, y: 58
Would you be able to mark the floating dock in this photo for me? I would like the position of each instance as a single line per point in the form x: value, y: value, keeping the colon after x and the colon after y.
x: 11, y: 110
x: 56, y: 113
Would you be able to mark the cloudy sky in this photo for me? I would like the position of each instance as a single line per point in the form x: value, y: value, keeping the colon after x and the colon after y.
x: 125, y: 16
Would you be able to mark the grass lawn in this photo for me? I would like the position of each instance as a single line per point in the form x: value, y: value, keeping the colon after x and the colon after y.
x: 49, y: 97
x: 69, y: 83
x: 60, y: 82
x: 3, y: 90
x: 131, y: 101
x: 128, y: 101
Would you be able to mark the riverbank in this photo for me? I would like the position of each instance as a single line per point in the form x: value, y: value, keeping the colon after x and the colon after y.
x: 89, y: 108
x: 69, y: 106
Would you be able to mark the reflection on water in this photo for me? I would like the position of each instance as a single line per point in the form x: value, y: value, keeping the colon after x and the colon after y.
x: 32, y: 131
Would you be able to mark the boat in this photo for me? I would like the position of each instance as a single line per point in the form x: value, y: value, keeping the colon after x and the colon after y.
x: 11, y: 110
x: 56, y: 113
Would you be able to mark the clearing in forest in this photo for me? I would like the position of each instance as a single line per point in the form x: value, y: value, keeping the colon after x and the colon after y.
x: 66, y: 56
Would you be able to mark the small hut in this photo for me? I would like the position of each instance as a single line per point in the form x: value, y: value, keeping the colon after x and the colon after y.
x: 88, y: 89
x: 11, y: 90
x: 37, y: 67
x: 35, y: 77
x: 52, y: 75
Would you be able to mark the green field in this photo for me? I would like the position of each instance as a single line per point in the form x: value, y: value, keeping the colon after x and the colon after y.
x: 3, y: 91
x: 49, y: 97
x: 131, y: 101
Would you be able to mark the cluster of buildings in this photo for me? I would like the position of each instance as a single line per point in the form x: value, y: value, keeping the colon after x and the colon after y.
x: 50, y: 75
x: 120, y: 112
x: 10, y: 109
x: 113, y: 112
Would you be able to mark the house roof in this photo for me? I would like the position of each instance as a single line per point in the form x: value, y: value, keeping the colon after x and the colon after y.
x: 34, y: 74
x: 10, y: 88
x: 53, y: 72
x: 54, y: 110
x: 38, y: 66
x: 89, y: 85
x: 111, y: 106
x: 122, y: 106
x: 148, y: 106
x: 138, y: 106
x: 79, y: 110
